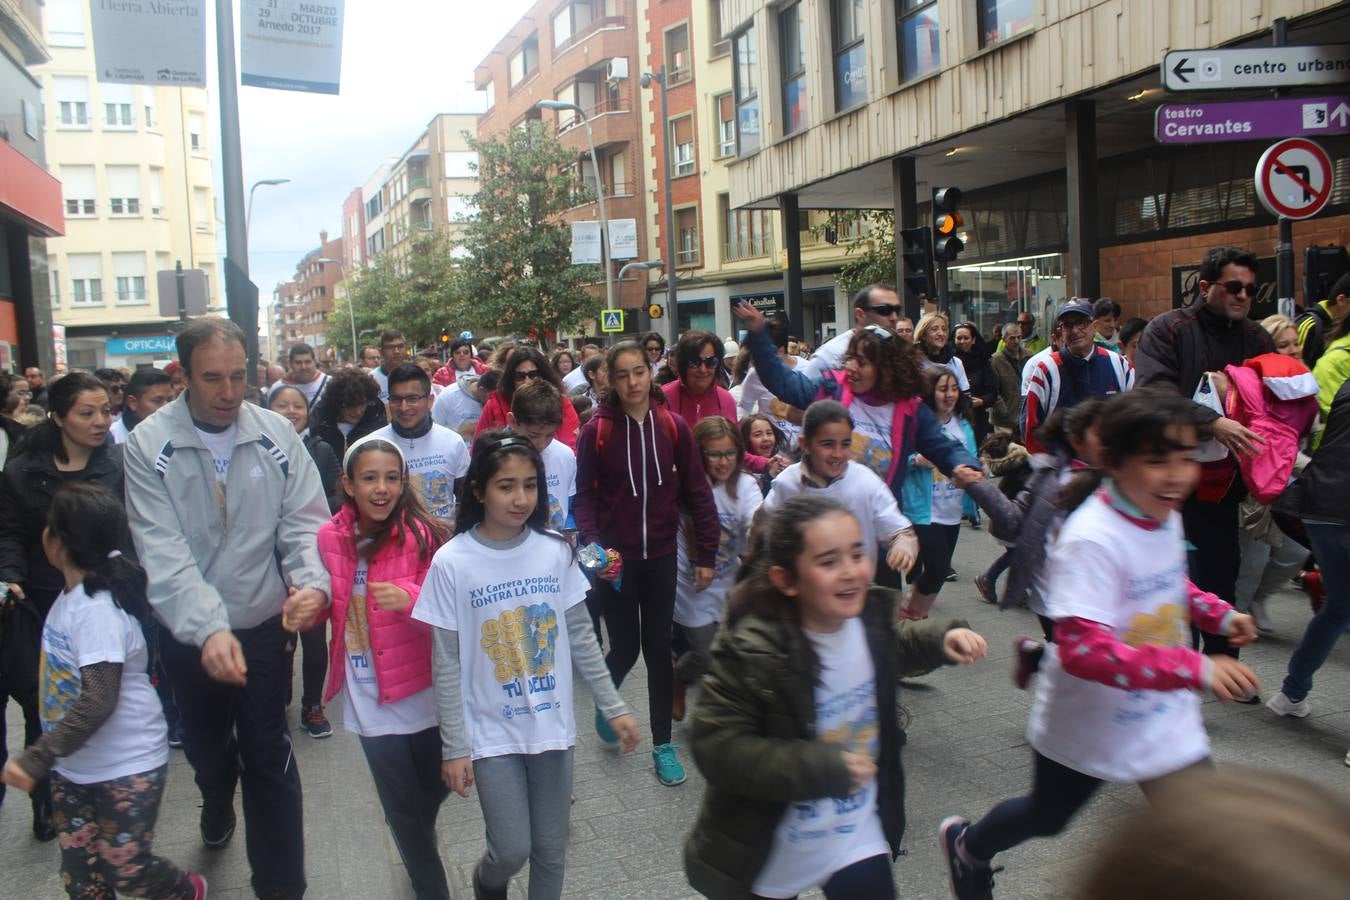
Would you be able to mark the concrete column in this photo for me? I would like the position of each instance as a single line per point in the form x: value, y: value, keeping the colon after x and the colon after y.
x: 1080, y: 153
x: 792, y: 277
x: 905, y: 205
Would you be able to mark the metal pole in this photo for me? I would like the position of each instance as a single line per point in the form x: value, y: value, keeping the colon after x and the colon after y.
x: 1284, y: 244
x: 351, y: 313
x: 672, y: 259
x: 604, y: 219
x: 180, y: 279
x: 232, y: 170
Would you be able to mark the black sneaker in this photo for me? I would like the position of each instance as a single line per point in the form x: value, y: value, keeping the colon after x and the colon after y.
x: 951, y: 575
x: 176, y: 735
x: 217, y: 823
x: 313, y: 721
x: 968, y: 882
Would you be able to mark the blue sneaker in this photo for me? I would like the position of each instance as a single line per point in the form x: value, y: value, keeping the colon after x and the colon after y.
x: 604, y: 730
x: 668, y: 769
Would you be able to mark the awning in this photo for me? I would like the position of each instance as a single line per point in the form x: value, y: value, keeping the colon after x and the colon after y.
x: 31, y: 195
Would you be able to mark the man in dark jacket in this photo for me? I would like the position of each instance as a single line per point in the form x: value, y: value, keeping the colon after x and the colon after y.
x: 1176, y: 350
x: 1007, y: 365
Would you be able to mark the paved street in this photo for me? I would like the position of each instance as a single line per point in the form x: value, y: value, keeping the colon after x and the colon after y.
x: 966, y: 751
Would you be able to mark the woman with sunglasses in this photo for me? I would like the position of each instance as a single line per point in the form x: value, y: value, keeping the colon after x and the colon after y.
x: 526, y: 364
x: 695, y: 394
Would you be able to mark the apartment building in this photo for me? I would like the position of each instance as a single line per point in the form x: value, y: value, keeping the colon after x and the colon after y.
x: 302, y: 305
x: 583, y: 52
x: 30, y: 198
x: 135, y: 168
x: 1042, y: 113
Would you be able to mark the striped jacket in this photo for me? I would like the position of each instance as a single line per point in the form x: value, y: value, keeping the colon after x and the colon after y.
x: 1045, y: 389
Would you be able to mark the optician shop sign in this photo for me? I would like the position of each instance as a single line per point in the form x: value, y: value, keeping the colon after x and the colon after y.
x: 157, y: 345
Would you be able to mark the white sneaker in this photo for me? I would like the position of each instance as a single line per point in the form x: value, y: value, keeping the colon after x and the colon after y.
x: 1283, y: 706
x: 1261, y: 617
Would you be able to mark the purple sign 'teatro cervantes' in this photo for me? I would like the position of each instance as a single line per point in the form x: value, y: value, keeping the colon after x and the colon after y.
x: 1250, y: 120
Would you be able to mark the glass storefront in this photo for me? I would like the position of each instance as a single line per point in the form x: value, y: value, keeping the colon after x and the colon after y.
x: 995, y: 292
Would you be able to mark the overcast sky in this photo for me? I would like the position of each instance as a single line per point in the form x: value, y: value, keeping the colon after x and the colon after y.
x: 403, y: 61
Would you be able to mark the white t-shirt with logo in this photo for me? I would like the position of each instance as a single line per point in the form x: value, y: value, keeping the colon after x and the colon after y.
x: 694, y: 608
x: 574, y: 379
x: 435, y: 461
x: 858, y: 490
x: 80, y: 631
x: 947, y: 497
x: 455, y: 409
x: 509, y: 608
x: 362, y: 712
x: 872, y: 444
x: 560, y: 470
x: 1107, y: 569
x: 817, y: 838
x: 382, y: 380
x: 830, y: 355
x: 221, y: 446
x: 755, y: 397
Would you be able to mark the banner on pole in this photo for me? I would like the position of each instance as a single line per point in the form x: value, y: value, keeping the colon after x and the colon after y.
x: 586, y: 243
x: 623, y: 242
x: 161, y: 43
x: 291, y: 45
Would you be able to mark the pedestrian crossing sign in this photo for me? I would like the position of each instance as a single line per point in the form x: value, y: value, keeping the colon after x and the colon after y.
x: 611, y: 321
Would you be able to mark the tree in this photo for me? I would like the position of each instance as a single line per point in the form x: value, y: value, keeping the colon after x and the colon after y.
x: 411, y: 292
x: 871, y: 257
x: 516, y: 274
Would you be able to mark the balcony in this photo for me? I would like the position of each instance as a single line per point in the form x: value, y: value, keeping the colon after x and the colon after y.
x: 749, y: 246
x: 612, y: 122
x: 603, y: 26
x: 419, y: 190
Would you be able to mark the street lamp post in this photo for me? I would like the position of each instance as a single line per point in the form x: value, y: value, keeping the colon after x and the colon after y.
x: 351, y: 311
x: 599, y: 191
x: 647, y: 80
x: 264, y: 182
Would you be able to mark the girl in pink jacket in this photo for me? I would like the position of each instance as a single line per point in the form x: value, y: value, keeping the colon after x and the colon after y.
x: 378, y: 549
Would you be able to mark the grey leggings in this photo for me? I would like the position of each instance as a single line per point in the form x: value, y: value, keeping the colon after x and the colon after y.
x: 527, y: 804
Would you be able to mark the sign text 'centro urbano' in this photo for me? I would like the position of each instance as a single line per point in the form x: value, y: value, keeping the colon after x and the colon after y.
x: 1255, y: 67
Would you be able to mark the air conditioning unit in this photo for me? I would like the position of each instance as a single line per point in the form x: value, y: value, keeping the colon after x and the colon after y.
x: 616, y: 69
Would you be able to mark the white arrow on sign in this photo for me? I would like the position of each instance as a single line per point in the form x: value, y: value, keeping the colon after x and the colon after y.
x: 1342, y: 113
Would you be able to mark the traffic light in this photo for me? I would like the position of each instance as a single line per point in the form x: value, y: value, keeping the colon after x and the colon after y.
x: 916, y: 254
x: 946, y: 223
x: 445, y: 337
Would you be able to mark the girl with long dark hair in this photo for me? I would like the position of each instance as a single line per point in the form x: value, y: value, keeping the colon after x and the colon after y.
x: 526, y: 364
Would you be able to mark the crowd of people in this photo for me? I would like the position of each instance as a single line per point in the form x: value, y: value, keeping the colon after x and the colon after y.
x: 446, y: 541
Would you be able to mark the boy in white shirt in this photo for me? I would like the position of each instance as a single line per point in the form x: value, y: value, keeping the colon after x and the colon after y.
x: 437, y: 457
x: 536, y: 414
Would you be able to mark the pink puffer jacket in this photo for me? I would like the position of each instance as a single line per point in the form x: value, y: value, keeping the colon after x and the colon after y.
x: 1276, y: 397
x: 402, y: 646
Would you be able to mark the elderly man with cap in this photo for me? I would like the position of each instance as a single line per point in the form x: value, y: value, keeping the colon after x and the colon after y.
x: 1079, y: 369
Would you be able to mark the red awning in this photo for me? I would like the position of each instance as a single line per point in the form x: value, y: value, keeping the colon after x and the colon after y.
x: 30, y: 194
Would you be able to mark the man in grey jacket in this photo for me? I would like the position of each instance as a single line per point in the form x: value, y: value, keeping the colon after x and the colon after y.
x: 225, y: 505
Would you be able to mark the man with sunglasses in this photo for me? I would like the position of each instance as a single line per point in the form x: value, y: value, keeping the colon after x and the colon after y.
x: 876, y: 304
x: 1175, y: 351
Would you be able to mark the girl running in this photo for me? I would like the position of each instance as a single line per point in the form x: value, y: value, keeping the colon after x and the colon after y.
x: 1118, y: 697
x: 934, y: 503
x: 637, y: 467
x: 104, y: 739
x: 763, y: 438
x: 505, y: 600
x: 737, y: 498
x: 826, y: 470
x: 378, y: 549
x: 796, y: 729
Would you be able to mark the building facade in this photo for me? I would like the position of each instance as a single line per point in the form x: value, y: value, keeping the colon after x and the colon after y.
x: 135, y: 168
x: 584, y: 52
x: 1042, y: 113
x: 303, y: 305
x: 30, y: 198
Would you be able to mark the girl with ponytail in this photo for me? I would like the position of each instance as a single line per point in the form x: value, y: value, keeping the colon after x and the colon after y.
x: 104, y: 741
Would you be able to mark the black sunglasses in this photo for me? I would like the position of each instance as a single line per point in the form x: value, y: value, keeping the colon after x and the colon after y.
x: 522, y: 374
x: 707, y: 362
x: 1236, y: 287
x: 887, y: 309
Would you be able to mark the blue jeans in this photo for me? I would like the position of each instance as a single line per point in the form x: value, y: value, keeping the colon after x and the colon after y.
x: 1331, y: 546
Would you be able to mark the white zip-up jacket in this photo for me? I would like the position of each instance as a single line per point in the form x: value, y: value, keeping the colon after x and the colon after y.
x: 211, y: 570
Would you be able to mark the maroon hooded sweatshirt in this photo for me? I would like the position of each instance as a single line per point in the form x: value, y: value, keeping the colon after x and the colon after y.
x: 630, y: 500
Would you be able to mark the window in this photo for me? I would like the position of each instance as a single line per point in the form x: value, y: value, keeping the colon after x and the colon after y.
x: 850, y: 53
x: 201, y: 208
x: 489, y: 96
x: 156, y: 191
x: 196, y: 132
x: 1000, y: 20
x: 794, y: 68
x: 65, y: 23
x: 681, y: 135
x: 585, y: 94
x: 124, y: 190
x: 151, y: 120
x: 525, y: 61
x: 458, y: 208
x: 460, y: 164
x: 129, y: 274
x: 720, y: 44
x: 118, y: 102
x: 55, y: 278
x: 917, y: 22
x: 375, y: 205
x: 726, y: 127
x: 679, y: 67
x: 618, y: 175
x: 577, y: 17
x: 590, y: 184
x: 86, y: 279
x: 746, y: 75
x: 562, y: 26
x: 79, y: 187
x: 748, y: 231
x: 686, y: 236
x: 72, y: 101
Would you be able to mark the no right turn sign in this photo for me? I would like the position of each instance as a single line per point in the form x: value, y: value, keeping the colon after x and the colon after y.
x: 1294, y: 178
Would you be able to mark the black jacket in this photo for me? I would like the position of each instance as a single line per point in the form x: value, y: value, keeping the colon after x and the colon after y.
x: 13, y: 430
x: 326, y: 428
x: 1179, y: 346
x: 26, y: 489
x: 330, y: 468
x: 1323, y: 490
